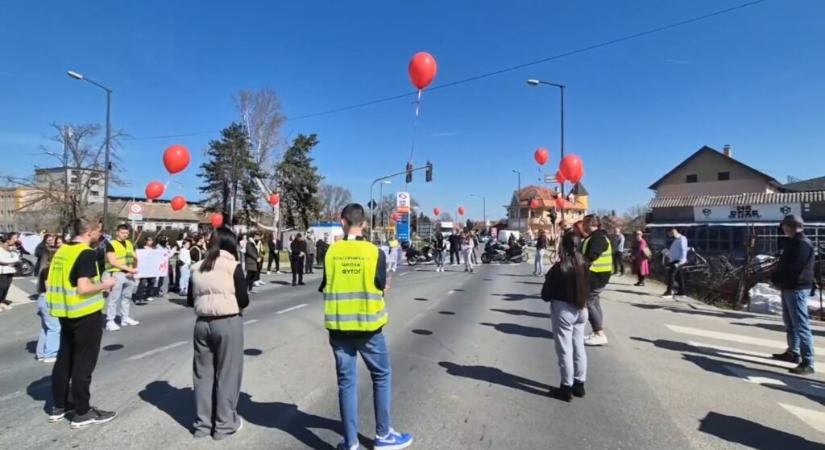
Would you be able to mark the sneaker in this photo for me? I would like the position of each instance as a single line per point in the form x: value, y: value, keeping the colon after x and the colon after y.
x: 220, y: 437
x: 129, y: 322
x: 92, y: 417
x: 49, y: 360
x: 57, y: 414
x: 564, y: 393
x: 596, y: 340
x: 149, y: 299
x: 393, y: 441
x: 578, y: 389
x: 787, y: 357
x: 803, y: 369
x: 111, y: 326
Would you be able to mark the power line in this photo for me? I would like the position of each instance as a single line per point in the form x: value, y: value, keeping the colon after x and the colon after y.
x: 482, y: 76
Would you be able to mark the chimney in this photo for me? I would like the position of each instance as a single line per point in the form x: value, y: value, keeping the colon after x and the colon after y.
x: 728, y: 151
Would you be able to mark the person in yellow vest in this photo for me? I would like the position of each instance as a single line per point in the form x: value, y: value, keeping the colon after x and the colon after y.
x: 74, y: 294
x: 598, y: 255
x: 355, y: 277
x: 121, y: 265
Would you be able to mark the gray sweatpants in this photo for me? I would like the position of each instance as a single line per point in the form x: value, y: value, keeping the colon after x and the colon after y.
x: 594, y: 308
x: 217, y: 373
x: 568, y: 332
x: 120, y: 299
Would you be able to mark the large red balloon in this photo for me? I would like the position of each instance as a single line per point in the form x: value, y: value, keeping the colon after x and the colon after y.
x: 395, y: 217
x: 541, y: 156
x: 422, y: 69
x: 572, y: 168
x: 534, y: 203
x: 154, y: 190
x: 460, y: 210
x: 178, y: 203
x: 560, y: 177
x: 176, y: 158
x: 217, y: 220
x: 437, y: 211
x: 560, y: 203
x: 274, y: 199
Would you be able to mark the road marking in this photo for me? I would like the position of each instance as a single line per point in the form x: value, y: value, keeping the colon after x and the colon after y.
x: 156, y: 351
x: 811, y: 417
x: 284, y: 311
x: 734, y: 338
x: 403, y: 274
x: 250, y: 321
x: 785, y: 383
x: 747, y: 355
x: 450, y: 291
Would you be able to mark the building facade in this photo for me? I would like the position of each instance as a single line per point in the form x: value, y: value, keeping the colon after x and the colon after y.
x: 525, y: 219
x: 88, y: 181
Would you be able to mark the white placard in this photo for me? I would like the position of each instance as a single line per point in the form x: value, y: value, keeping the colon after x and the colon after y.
x: 152, y: 263
x: 746, y: 213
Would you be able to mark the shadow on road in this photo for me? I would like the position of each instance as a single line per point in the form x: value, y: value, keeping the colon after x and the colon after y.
x: 253, y: 352
x: 112, y: 347
x: 522, y: 312
x: 520, y: 330
x: 751, y: 434
x: 515, y: 275
x: 280, y: 282
x: 420, y: 299
x: 628, y: 291
x: 31, y: 347
x: 180, y: 301
x: 774, y: 327
x: 447, y: 313
x: 495, y: 375
x: 538, y: 283
x: 40, y: 391
x: 422, y: 332
x: 695, y: 312
x: 677, y: 346
x: 516, y: 297
x: 178, y: 403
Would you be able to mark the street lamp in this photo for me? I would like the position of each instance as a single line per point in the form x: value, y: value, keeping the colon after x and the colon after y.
x: 106, y: 156
x: 518, y: 197
x: 381, y: 196
x: 534, y: 82
x: 483, y: 207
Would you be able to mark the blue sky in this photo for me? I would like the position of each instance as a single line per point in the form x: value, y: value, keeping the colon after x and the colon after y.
x: 751, y: 79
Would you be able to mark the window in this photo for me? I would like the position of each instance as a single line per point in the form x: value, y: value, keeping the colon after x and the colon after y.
x: 724, y: 176
x: 693, y: 178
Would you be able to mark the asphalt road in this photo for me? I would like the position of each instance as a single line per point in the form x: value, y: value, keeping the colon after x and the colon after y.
x: 473, y: 362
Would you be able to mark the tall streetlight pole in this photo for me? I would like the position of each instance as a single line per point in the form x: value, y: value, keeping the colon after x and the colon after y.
x: 78, y: 76
x: 518, y: 198
x: 483, y: 207
x: 534, y: 82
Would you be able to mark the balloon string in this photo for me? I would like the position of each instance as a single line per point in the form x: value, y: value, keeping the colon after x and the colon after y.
x: 415, y: 124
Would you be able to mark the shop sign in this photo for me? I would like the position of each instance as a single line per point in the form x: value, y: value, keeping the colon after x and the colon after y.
x: 746, y: 213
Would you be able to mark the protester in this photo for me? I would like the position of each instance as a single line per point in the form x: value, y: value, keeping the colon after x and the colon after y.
x: 566, y: 287
x: 541, y: 249
x: 598, y: 256
x: 678, y: 257
x: 395, y: 253
x: 75, y: 296
x: 353, y: 286
x: 467, y: 248
x: 455, y: 249
x: 9, y: 257
x: 298, y: 250
x: 617, y: 241
x: 48, y: 343
x: 42, y: 247
x: 641, y: 255
x: 121, y: 265
x: 252, y: 259
x: 162, y: 283
x: 794, y: 275
x: 321, y: 248
x: 274, y: 246
x: 310, y: 253
x: 218, y: 294
x: 438, y: 251
x: 260, y: 245
x: 185, y: 267
x: 146, y: 286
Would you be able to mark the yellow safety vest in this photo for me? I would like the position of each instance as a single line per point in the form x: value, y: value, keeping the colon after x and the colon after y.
x: 125, y: 253
x: 351, y: 300
x: 61, y: 297
x: 604, y: 263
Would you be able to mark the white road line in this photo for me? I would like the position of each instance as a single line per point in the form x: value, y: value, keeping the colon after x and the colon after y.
x: 747, y: 355
x: 815, y: 419
x: 450, y: 291
x: 284, y: 311
x: 250, y: 321
x: 742, y: 339
x: 785, y: 383
x: 157, y: 350
x: 403, y: 274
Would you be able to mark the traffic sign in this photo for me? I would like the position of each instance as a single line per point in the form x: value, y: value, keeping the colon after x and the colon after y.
x: 135, y: 212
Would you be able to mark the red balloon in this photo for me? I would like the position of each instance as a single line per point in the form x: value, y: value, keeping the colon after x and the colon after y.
x: 176, y: 158
x: 572, y: 168
x: 178, y: 203
x: 541, y: 156
x: 274, y: 199
x: 422, y: 69
x: 560, y: 177
x: 559, y: 203
x: 460, y: 210
x: 154, y: 190
x: 437, y: 211
x: 534, y: 203
x: 395, y: 217
x: 217, y: 220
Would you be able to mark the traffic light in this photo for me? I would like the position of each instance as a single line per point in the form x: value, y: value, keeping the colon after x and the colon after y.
x: 409, y: 172
x: 429, y: 176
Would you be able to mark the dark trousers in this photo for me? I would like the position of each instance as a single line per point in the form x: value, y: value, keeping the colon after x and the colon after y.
x: 251, y: 277
x: 618, y: 263
x: 640, y: 279
x: 454, y: 253
x: 594, y: 310
x: 5, y: 284
x: 76, y: 360
x: 310, y: 262
x: 274, y: 256
x: 297, y: 263
x: 674, y: 270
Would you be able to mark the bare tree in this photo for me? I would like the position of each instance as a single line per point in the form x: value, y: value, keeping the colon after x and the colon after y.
x: 636, y: 218
x: 262, y: 116
x: 333, y: 199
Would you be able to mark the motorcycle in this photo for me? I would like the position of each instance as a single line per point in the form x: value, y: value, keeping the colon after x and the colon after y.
x: 500, y: 253
x: 415, y: 256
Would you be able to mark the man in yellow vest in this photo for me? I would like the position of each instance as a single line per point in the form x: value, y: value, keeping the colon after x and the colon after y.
x: 355, y: 277
x: 121, y: 265
x: 74, y: 294
x: 598, y: 254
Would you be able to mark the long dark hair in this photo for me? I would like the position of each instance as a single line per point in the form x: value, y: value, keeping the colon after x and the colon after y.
x: 573, y: 269
x: 222, y: 239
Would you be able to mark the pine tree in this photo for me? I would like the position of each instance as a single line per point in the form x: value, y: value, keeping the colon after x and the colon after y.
x: 299, y: 181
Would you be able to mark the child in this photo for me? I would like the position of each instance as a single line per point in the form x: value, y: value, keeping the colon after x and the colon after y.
x: 566, y: 288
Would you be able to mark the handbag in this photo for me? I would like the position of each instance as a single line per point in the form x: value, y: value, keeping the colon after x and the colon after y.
x: 647, y: 253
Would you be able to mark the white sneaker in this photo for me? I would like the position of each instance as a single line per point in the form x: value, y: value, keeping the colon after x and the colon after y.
x: 596, y: 340
x: 51, y: 360
x: 129, y: 322
x: 111, y: 326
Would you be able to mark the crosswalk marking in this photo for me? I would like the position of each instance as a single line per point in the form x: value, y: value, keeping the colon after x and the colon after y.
x: 815, y: 419
x: 157, y: 350
x: 284, y: 311
x: 789, y: 383
x: 747, y: 355
x: 734, y: 337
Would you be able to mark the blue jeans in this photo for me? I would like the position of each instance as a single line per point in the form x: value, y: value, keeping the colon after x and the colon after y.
x: 798, y: 323
x: 374, y: 352
x: 49, y: 342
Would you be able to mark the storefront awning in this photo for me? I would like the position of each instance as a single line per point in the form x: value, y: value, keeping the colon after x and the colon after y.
x: 726, y: 224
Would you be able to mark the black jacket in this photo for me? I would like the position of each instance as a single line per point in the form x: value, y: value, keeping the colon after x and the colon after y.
x: 598, y: 243
x: 796, y: 264
x: 557, y: 287
x: 297, y: 247
x: 251, y: 256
